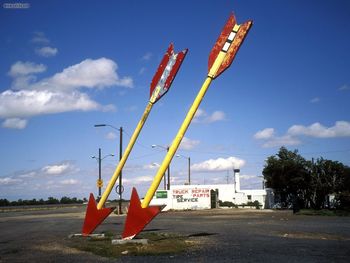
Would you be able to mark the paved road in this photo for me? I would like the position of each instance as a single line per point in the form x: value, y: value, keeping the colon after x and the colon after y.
x: 224, y: 236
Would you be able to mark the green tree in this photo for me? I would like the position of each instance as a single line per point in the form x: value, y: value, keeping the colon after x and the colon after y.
x: 51, y: 200
x: 288, y: 175
x: 4, y: 202
x: 343, y: 192
x: 327, y: 179
x: 65, y: 200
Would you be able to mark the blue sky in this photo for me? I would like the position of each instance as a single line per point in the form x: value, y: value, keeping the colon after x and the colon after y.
x: 67, y: 65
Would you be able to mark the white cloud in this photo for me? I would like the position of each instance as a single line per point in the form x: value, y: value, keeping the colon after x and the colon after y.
x: 89, y: 73
x: 40, y: 38
x: 111, y: 136
x: 46, y: 51
x: 59, y: 93
x: 109, y: 108
x: 272, y: 140
x: 70, y: 182
x: 315, y: 100
x: 247, y: 176
x: 202, y: 117
x: 14, y: 123
x: 131, y: 108
x: 138, y: 180
x: 142, y: 70
x: 278, y: 141
x: 216, y: 116
x: 33, y: 102
x: 23, y: 82
x: 340, y: 129
x: 21, y: 68
x: 147, y: 56
x: 200, y: 113
x: 220, y: 164
x: 50, y: 180
x: 344, y: 87
x: 265, y: 134
x: 150, y: 166
x: 57, y: 169
x: 188, y: 144
x: 9, y: 181
x: 316, y: 130
x: 28, y: 175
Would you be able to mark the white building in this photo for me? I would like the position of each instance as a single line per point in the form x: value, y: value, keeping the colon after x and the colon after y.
x: 193, y: 197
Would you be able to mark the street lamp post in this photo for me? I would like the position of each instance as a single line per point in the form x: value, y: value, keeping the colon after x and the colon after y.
x: 263, y: 181
x: 189, y: 166
x: 120, y: 176
x: 120, y: 190
x: 166, y: 184
x: 99, y: 174
x: 99, y: 181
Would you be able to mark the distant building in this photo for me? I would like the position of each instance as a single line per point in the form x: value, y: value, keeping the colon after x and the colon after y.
x: 194, y: 197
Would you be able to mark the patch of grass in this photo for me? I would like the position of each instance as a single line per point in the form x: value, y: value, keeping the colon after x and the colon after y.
x: 158, y: 244
x: 323, y: 212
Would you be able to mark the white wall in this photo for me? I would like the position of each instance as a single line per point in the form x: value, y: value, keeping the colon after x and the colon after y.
x: 182, y: 197
x: 227, y: 193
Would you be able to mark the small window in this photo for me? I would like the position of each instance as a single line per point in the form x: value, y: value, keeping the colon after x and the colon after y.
x: 249, y: 197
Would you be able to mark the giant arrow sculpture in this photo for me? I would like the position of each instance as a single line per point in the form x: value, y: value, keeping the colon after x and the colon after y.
x: 161, y: 82
x: 221, y: 57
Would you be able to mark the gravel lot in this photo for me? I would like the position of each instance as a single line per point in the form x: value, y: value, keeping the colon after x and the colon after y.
x: 220, y: 235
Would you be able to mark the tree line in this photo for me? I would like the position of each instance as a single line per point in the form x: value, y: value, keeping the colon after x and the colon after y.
x: 49, y: 201
x: 302, y: 183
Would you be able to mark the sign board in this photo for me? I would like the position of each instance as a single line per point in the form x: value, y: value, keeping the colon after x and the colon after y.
x: 194, y: 195
x: 99, y: 183
x: 118, y: 188
x: 161, y: 194
x: 183, y: 197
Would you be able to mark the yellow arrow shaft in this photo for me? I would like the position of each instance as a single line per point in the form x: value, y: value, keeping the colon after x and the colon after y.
x: 125, y: 156
x: 215, y: 67
x: 175, y: 145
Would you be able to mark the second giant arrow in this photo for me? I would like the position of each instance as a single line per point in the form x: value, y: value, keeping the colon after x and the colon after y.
x: 221, y: 57
x: 161, y: 82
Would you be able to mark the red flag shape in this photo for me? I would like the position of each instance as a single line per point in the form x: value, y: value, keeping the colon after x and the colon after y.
x: 166, y: 71
x: 93, y: 216
x: 229, y: 42
x: 138, y: 217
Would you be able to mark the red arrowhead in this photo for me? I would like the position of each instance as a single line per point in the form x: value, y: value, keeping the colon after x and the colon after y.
x: 138, y: 217
x: 93, y: 216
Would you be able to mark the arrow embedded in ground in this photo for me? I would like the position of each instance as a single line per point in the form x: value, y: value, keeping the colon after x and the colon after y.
x: 160, y: 84
x: 220, y: 59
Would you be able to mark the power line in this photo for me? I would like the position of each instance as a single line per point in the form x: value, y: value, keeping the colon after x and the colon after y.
x: 139, y: 144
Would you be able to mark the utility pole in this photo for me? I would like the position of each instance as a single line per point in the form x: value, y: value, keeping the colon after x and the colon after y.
x: 164, y: 180
x: 189, y: 167
x: 166, y: 184
x: 121, y: 189
x: 99, y: 182
x: 189, y: 170
x: 120, y: 175
x: 168, y: 187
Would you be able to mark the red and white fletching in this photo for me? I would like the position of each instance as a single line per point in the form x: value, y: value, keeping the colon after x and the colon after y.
x: 229, y: 41
x: 166, y: 73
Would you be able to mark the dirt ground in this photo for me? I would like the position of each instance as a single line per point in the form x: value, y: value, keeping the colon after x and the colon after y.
x: 218, y: 235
